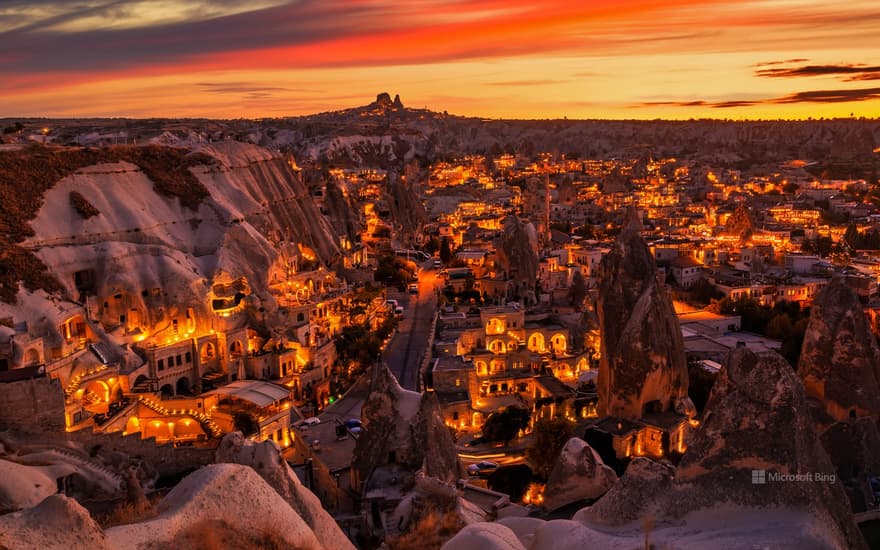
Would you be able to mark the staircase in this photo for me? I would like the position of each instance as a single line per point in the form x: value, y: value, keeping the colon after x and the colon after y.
x: 203, y: 419
x: 77, y: 379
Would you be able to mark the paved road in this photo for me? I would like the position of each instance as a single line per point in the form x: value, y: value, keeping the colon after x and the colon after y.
x: 406, y: 350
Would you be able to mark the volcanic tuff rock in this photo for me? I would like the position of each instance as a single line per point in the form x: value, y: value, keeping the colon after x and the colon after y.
x: 57, y: 523
x: 403, y: 428
x: 840, y: 359
x: 517, y: 252
x: 643, y: 359
x: 229, y: 495
x: 840, y: 368
x: 642, y: 486
x: 265, y: 458
x: 579, y: 474
x: 757, y: 419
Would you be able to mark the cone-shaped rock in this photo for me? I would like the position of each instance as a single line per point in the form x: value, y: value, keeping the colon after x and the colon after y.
x: 643, y: 366
x: 840, y: 359
x: 405, y: 430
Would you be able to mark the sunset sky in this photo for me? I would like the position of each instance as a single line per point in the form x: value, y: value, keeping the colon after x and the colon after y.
x: 492, y: 58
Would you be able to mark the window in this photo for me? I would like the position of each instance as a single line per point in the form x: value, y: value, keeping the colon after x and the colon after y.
x: 161, y: 364
x: 189, y: 357
x: 458, y: 382
x: 178, y: 360
x: 455, y: 416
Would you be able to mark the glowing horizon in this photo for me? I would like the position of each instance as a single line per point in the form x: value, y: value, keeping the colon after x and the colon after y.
x: 603, y: 59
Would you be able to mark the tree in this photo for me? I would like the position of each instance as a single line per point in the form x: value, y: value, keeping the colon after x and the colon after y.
x: 551, y: 435
x: 578, y: 290
x: 445, y: 250
x: 511, y: 480
x: 246, y: 423
x: 505, y: 425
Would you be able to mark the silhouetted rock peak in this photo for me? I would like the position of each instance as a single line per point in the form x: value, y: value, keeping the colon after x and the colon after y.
x: 642, y: 365
x: 383, y: 100
x: 840, y: 359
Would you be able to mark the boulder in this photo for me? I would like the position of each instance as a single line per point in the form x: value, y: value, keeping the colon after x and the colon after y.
x: 231, y: 497
x: 579, y: 474
x: 23, y: 486
x: 266, y: 459
x: 637, y: 494
x: 642, y: 366
x: 58, y: 522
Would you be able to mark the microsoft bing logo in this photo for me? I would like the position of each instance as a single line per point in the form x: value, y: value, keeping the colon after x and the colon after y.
x: 759, y: 477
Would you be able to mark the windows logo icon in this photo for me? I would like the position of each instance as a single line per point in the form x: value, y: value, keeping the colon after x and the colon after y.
x: 759, y: 477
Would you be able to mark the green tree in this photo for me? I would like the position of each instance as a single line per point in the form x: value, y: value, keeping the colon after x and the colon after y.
x: 504, y: 425
x: 551, y: 435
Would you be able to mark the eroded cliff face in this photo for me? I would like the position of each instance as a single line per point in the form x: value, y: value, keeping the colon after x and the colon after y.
x: 642, y: 366
x: 840, y: 359
x: 160, y: 257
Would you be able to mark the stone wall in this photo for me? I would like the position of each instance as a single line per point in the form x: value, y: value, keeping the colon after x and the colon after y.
x: 166, y: 459
x: 32, y: 406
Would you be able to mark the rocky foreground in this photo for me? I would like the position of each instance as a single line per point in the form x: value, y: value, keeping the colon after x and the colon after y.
x: 249, y: 499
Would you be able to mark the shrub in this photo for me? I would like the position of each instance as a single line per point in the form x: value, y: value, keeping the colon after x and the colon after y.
x: 83, y: 207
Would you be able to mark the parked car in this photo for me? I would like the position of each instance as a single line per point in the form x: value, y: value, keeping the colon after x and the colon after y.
x: 437, y: 263
x: 391, y: 303
x: 483, y: 468
x: 413, y: 288
x: 311, y: 421
x: 398, y: 311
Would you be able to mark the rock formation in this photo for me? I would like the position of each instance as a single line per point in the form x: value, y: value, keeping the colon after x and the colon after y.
x: 643, y: 484
x: 230, y: 496
x: 403, y: 429
x: 642, y: 366
x: 516, y: 253
x: 579, y: 474
x: 756, y: 426
x: 265, y: 458
x: 740, y: 224
x: 840, y: 368
x: 56, y: 523
x: 840, y: 359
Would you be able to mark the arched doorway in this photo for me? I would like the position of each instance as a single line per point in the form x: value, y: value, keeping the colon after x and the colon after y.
x: 536, y: 342
x: 183, y: 386
x: 236, y: 349
x: 167, y: 390
x: 208, y: 352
